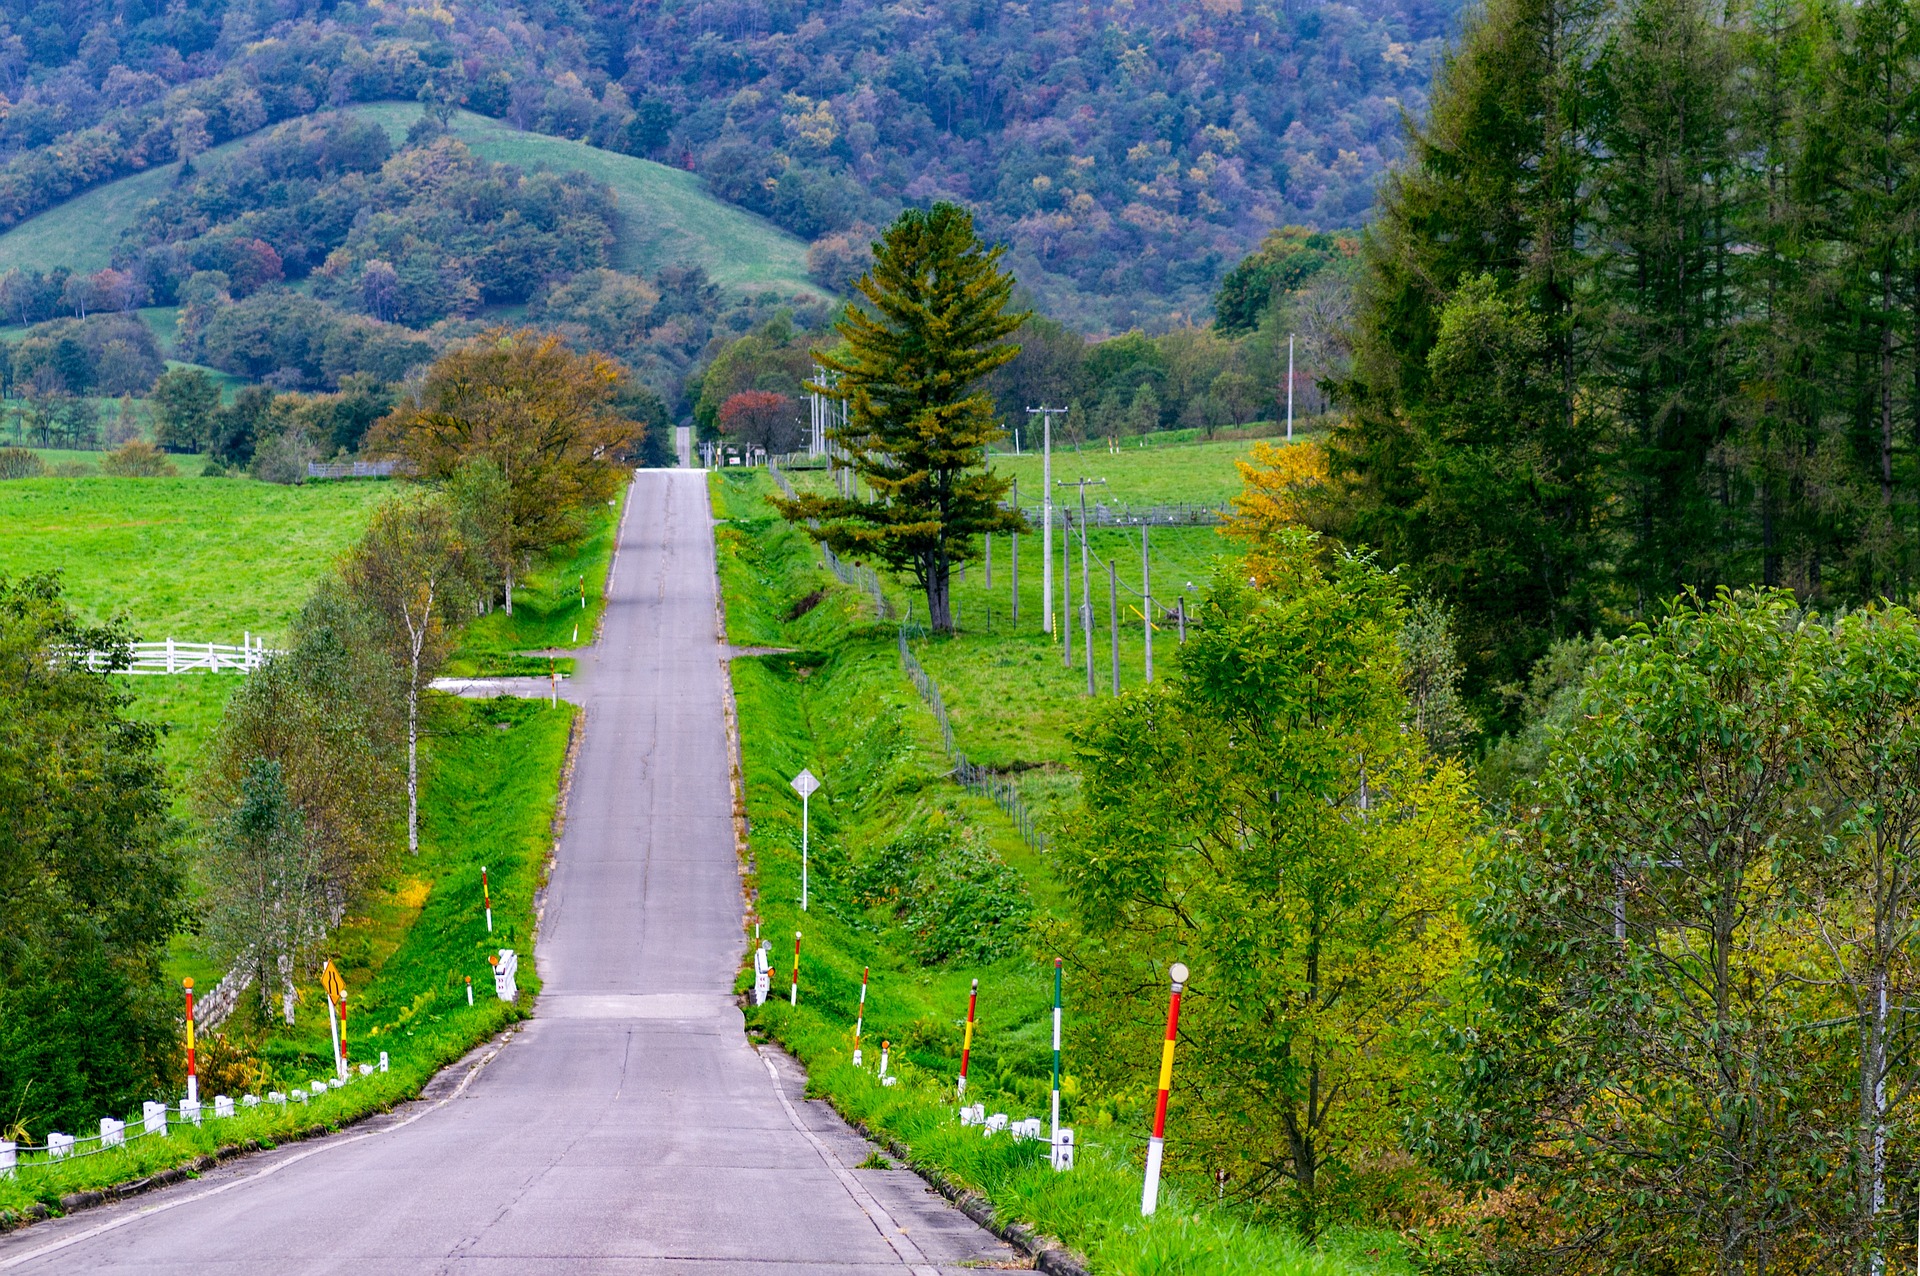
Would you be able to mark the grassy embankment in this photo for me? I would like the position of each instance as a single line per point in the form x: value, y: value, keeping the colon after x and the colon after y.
x: 490, y: 793
x: 842, y: 707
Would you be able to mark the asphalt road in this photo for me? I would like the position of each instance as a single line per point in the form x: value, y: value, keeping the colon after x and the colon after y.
x: 629, y: 1126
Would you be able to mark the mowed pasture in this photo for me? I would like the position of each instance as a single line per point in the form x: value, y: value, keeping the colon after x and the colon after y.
x: 198, y: 559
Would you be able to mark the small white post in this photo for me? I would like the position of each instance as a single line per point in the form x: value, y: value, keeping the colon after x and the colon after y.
x: 8, y: 1156
x: 333, y: 1027
x: 112, y: 1133
x: 222, y: 1106
x: 154, y: 1117
x: 190, y: 1110
x: 383, y: 1061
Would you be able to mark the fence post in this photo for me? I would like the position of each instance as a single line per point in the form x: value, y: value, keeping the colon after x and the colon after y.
x: 169, y: 653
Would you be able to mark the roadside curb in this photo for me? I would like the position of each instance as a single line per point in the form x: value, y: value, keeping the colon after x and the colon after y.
x: 92, y: 1198
x: 1047, y: 1252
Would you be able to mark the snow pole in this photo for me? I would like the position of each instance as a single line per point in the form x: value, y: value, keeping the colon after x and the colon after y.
x: 486, y: 896
x: 1150, y: 1189
x: 193, y: 1072
x: 860, y: 1016
x: 1055, y: 1142
x: 793, y: 996
x: 966, y: 1043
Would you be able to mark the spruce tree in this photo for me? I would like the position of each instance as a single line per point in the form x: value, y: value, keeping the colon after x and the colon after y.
x: 911, y: 367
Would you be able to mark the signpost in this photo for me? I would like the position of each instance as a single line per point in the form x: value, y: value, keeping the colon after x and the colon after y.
x: 804, y: 784
x: 336, y: 1014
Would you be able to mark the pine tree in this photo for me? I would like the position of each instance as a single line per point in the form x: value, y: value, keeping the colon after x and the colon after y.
x: 911, y: 368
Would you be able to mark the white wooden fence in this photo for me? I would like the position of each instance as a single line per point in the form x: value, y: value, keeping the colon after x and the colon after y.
x: 175, y: 656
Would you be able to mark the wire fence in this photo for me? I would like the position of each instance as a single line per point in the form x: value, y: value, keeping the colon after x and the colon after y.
x: 1181, y: 514
x: 969, y: 775
x: 858, y: 575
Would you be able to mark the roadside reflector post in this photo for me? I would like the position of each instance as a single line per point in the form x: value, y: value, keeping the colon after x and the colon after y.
x: 793, y: 994
x: 966, y: 1042
x: 1150, y: 1189
x: 885, y: 1045
x: 193, y: 1072
x: 1054, y: 1134
x: 469, y: 990
x: 805, y: 785
x: 762, y: 969
x: 860, y: 1016
x: 383, y: 1061
x: 486, y: 897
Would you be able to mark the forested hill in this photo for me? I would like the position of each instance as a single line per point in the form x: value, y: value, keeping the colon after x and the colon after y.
x: 1131, y: 153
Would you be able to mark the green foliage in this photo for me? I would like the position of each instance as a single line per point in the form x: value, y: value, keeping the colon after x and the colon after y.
x: 1264, y: 816
x: 1285, y: 261
x: 953, y: 895
x: 918, y: 425
x: 91, y: 888
x: 1680, y: 1030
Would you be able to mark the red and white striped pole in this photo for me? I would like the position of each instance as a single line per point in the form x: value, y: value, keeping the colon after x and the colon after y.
x: 193, y: 1072
x: 486, y: 897
x: 1150, y: 1190
x: 860, y: 1016
x: 793, y: 996
x: 966, y: 1043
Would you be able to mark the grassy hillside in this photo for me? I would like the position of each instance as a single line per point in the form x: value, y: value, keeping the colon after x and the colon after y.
x: 842, y: 706
x: 667, y: 216
x: 191, y: 558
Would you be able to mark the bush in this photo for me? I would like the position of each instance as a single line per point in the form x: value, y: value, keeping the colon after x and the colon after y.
x: 283, y: 458
x: 137, y: 459
x: 18, y: 462
x: 958, y: 900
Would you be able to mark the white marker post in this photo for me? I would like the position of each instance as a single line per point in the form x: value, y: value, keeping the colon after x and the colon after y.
x: 486, y: 897
x: 860, y: 1016
x: 805, y: 785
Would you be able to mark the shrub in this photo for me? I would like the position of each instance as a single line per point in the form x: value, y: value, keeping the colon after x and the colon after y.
x: 18, y: 462
x: 137, y: 459
x: 958, y: 900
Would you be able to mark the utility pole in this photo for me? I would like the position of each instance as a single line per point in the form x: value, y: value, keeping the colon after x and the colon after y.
x: 1016, y: 552
x: 1289, y: 387
x: 1146, y: 599
x: 1046, y: 416
x: 1086, y: 576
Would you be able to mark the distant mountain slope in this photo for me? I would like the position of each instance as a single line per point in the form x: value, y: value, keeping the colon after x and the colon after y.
x: 1128, y: 151
x: 668, y: 217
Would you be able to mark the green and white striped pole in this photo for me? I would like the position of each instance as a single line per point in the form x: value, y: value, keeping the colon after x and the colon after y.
x: 1055, y: 1141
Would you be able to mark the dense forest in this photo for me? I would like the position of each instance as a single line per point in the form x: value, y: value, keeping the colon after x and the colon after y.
x: 1130, y: 154
x: 1640, y: 314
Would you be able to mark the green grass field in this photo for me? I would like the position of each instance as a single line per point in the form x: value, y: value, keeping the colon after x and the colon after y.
x: 204, y: 560
x: 1194, y: 472
x: 843, y: 707
x: 667, y: 216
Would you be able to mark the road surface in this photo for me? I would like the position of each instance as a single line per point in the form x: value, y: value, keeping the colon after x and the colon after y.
x: 629, y: 1126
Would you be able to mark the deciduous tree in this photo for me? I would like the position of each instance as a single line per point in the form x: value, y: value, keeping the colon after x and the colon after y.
x: 540, y: 413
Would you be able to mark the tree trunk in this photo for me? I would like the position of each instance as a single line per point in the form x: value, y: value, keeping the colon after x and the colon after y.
x: 509, y: 587
x: 413, y: 757
x: 940, y: 595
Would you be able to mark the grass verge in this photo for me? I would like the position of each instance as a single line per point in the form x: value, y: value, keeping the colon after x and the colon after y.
x: 491, y: 798
x: 839, y: 704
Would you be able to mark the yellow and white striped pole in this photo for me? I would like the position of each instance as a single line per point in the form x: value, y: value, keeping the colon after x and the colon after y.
x: 1150, y: 1190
